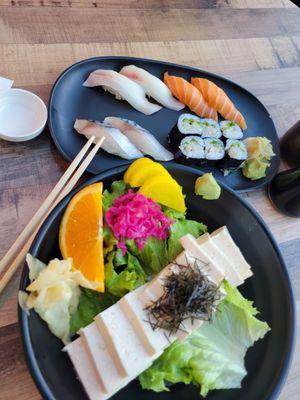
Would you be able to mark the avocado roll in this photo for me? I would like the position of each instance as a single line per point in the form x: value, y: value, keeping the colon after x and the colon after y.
x: 231, y: 130
x: 191, y: 150
x: 187, y: 124
x: 235, y: 156
x: 214, y: 150
x: 210, y: 128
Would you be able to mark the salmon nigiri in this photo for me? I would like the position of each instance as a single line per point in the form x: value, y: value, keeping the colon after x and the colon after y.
x: 190, y: 96
x: 218, y: 99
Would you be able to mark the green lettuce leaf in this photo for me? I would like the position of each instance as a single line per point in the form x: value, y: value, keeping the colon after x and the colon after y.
x: 109, y: 241
x: 117, y: 189
x: 90, y: 304
x: 153, y: 257
x: 180, y: 228
x: 123, y: 273
x: 158, y: 253
x: 213, y: 356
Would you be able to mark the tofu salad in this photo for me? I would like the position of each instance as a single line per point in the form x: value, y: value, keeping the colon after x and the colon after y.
x: 143, y: 292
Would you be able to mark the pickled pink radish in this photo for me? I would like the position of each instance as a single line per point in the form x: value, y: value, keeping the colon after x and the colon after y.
x: 134, y: 216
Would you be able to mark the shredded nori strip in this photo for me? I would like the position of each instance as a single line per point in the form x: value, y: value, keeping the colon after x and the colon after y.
x: 187, y: 293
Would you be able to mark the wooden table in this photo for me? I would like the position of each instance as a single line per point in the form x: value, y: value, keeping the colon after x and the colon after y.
x: 254, y: 42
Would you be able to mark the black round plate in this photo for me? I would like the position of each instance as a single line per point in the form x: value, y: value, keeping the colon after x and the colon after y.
x: 267, y: 362
x: 70, y: 100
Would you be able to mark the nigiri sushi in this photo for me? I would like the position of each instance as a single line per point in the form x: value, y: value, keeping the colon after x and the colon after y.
x: 141, y: 138
x: 189, y: 95
x: 123, y: 88
x: 218, y: 99
x: 115, y: 142
x: 153, y: 86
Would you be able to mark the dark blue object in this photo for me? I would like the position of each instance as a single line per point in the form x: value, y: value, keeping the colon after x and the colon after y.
x: 290, y: 146
x: 70, y: 100
x: 284, y: 192
x: 267, y: 361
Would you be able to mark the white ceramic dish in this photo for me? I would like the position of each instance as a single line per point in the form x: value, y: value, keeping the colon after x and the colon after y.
x: 23, y: 115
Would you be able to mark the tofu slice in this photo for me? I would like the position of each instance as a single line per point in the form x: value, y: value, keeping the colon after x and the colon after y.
x: 111, y: 378
x: 224, y: 241
x: 154, y: 341
x: 212, y: 270
x: 85, y: 369
x: 123, y: 342
x: 218, y: 256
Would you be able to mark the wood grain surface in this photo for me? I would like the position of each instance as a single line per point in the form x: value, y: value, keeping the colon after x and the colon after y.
x: 256, y: 43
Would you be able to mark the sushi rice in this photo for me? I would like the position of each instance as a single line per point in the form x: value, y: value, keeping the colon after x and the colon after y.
x: 189, y: 124
x: 236, y: 154
x: 214, y: 149
x: 192, y: 147
x: 231, y: 130
x: 236, y: 149
x: 210, y: 128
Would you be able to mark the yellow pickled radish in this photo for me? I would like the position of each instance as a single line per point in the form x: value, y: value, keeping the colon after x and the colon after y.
x: 164, y: 190
x: 140, y: 163
x: 142, y: 174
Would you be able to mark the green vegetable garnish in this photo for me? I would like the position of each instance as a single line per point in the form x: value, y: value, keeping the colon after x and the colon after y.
x: 255, y: 169
x: 207, y: 187
x: 260, y: 151
x: 212, y: 357
x: 91, y: 303
x: 123, y: 273
x: 190, y: 121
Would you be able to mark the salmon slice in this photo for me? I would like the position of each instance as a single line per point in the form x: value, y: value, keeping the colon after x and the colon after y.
x: 218, y: 99
x: 190, y: 96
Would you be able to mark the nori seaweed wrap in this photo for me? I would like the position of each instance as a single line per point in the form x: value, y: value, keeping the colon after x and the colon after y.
x: 231, y: 130
x: 191, y: 150
x: 187, y: 124
x: 214, y: 151
x: 235, y: 156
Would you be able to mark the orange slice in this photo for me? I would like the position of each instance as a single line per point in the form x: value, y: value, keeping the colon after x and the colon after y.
x: 80, y: 233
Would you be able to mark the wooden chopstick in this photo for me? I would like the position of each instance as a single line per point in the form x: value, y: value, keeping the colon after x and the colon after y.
x: 46, y: 204
x: 34, y: 224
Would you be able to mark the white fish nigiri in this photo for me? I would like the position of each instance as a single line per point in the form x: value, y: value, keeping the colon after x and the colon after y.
x: 141, y: 138
x: 123, y: 88
x: 115, y: 142
x: 153, y: 86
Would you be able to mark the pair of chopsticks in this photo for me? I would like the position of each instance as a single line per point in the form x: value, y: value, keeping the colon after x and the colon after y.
x: 17, y: 253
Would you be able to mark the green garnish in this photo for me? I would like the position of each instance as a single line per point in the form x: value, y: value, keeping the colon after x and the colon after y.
x: 207, y: 187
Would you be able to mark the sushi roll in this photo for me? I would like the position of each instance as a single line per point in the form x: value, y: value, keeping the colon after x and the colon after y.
x: 214, y: 150
x: 191, y: 150
x: 210, y: 128
x: 187, y: 124
x: 235, y: 156
x: 231, y: 130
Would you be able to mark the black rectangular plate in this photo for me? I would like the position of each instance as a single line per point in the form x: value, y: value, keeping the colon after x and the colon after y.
x: 70, y: 100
